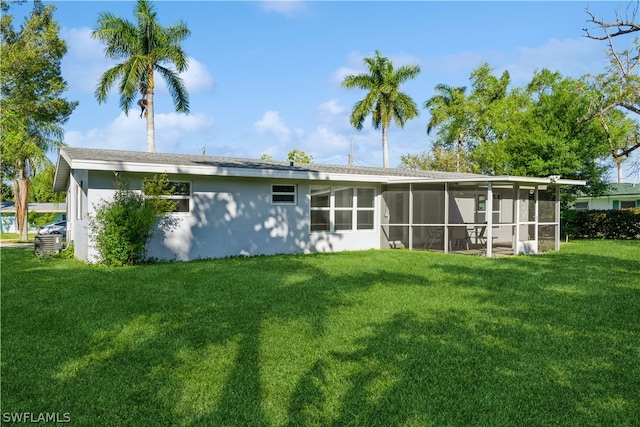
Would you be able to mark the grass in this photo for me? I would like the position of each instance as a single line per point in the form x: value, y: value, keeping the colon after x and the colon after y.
x: 374, y: 338
x: 15, y: 237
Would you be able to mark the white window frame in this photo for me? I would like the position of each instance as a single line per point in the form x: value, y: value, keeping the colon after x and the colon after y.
x: 354, y: 209
x: 284, y: 193
x: 188, y: 197
x: 496, y: 207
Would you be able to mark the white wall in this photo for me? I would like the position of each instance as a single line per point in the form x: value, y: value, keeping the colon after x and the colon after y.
x: 77, y: 210
x: 233, y: 217
x: 229, y: 216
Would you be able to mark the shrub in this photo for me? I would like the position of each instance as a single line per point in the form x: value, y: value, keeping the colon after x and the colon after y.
x: 602, y: 224
x: 122, y: 227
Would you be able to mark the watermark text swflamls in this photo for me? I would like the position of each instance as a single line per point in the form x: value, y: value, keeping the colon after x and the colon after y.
x: 34, y: 418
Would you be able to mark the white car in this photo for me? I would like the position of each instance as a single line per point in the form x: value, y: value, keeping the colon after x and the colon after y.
x: 59, y: 227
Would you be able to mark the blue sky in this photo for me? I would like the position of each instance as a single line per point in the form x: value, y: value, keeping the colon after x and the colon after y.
x: 264, y: 77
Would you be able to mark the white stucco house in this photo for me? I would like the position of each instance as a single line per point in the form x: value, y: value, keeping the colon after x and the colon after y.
x: 9, y: 224
x: 229, y: 206
x: 617, y: 196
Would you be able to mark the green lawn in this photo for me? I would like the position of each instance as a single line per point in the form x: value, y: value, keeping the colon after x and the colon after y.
x: 374, y: 338
x: 15, y: 237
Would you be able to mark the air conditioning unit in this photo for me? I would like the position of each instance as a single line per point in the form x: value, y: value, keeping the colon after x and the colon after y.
x: 48, y: 244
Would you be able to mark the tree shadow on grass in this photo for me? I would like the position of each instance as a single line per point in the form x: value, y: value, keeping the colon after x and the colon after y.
x: 174, y: 344
x: 456, y: 370
x: 549, y: 340
x: 184, y: 344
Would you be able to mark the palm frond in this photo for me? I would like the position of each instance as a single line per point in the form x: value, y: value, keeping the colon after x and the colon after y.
x: 176, y: 88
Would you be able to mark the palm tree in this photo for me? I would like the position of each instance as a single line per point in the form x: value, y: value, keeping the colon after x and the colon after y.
x: 447, y: 110
x: 145, y: 47
x: 384, y: 101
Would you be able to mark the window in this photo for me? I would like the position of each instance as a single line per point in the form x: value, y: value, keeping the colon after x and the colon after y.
x: 342, y: 208
x: 581, y: 205
x: 79, y: 192
x: 626, y: 204
x: 481, y: 208
x: 320, y: 208
x: 181, y: 195
x: 364, y: 211
x: 283, y: 194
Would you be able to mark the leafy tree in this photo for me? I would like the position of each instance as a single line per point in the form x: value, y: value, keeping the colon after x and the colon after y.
x: 299, y: 156
x: 41, y: 190
x: 33, y: 110
x: 6, y: 192
x: 618, y: 87
x: 145, y: 47
x: 448, y: 109
x: 384, y: 101
x: 532, y: 130
x: 266, y: 156
x: 438, y: 158
x: 547, y: 138
x: 123, y: 226
x: 464, y: 122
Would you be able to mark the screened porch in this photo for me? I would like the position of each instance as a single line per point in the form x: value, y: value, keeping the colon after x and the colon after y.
x: 490, y: 218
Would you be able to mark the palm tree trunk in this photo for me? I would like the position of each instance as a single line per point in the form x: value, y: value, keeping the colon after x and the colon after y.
x: 385, y: 148
x: 151, y: 133
x: 22, y: 200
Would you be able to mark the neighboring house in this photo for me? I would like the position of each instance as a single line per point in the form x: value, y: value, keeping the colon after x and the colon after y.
x: 8, y: 223
x: 617, y: 196
x: 227, y: 207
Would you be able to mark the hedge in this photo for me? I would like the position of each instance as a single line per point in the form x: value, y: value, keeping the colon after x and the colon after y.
x: 602, y: 224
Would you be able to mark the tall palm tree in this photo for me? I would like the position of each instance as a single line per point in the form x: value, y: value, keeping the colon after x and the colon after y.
x: 448, y: 111
x: 384, y: 100
x: 145, y: 47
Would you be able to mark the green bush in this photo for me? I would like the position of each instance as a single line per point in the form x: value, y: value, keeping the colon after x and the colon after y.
x: 602, y: 224
x: 123, y: 226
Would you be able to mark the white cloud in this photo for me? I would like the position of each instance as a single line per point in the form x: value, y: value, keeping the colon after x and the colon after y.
x: 287, y: 8
x: 338, y: 76
x: 272, y: 123
x: 129, y: 133
x: 197, y: 78
x: 324, y: 143
x: 331, y: 110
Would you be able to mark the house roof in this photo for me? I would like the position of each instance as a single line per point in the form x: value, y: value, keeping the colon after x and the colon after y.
x: 618, y: 190
x: 134, y: 161
x: 34, y: 207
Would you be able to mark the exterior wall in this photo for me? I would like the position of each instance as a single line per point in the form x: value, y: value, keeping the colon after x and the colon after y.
x: 230, y: 217
x: 604, y: 203
x: 77, y: 213
x: 8, y: 223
